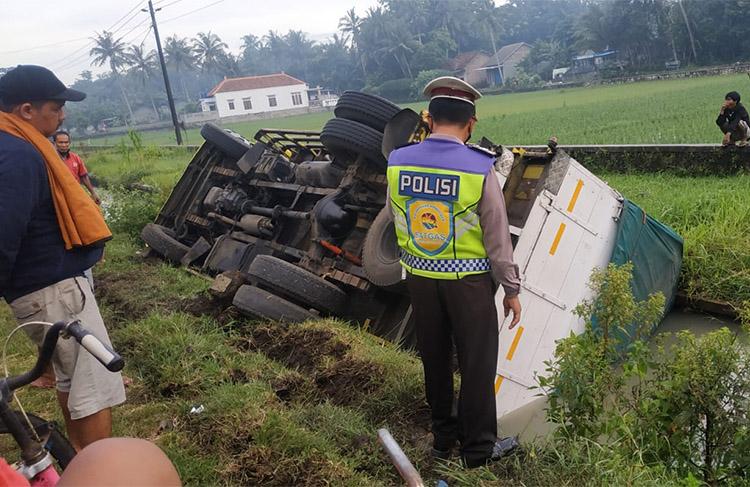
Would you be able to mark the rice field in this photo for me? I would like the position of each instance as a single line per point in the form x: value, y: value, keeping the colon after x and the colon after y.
x: 667, y: 112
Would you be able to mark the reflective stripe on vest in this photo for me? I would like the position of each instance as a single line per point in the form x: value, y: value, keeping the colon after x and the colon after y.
x: 445, y: 265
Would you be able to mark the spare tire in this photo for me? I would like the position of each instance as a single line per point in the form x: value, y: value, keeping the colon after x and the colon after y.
x: 263, y: 305
x: 232, y: 144
x: 347, y: 139
x: 370, y: 110
x: 381, y: 253
x: 162, y: 240
x: 297, y: 284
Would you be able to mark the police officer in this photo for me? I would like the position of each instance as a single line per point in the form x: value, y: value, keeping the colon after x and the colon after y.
x: 452, y: 227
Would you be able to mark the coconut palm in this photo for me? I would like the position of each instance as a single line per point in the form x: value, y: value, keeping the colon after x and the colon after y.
x: 180, y: 56
x: 109, y: 50
x: 351, y: 24
x: 210, y: 52
x: 143, y: 66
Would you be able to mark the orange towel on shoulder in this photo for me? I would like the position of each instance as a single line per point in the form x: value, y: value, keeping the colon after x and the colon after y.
x: 81, y: 222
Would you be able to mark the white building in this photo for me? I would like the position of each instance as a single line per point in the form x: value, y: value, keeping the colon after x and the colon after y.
x: 256, y: 94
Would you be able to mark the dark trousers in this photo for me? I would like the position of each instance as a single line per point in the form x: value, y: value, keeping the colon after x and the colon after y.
x: 461, y: 312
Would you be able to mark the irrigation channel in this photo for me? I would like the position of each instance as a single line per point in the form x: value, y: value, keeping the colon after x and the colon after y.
x: 530, y: 423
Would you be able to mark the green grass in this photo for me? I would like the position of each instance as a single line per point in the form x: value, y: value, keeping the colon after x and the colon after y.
x: 668, y: 111
x: 713, y: 216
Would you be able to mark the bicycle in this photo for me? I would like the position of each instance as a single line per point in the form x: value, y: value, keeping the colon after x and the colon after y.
x: 41, y: 441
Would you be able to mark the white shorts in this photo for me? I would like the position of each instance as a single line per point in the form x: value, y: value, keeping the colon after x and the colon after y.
x: 91, y: 387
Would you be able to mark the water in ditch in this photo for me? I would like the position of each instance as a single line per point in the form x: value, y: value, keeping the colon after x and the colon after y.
x: 529, y: 422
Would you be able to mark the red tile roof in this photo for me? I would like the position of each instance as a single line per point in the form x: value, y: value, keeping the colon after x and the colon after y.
x: 254, y: 83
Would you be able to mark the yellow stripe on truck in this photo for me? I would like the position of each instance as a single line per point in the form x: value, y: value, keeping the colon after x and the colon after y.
x: 574, y: 198
x: 556, y: 242
x: 514, y: 345
x: 498, y: 383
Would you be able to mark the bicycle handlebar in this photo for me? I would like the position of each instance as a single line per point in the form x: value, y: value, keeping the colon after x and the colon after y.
x: 104, y: 354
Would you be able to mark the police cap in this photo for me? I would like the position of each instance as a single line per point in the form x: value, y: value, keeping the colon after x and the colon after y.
x: 451, y: 87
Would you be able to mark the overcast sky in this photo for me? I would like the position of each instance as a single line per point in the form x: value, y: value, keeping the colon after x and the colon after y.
x: 56, y: 34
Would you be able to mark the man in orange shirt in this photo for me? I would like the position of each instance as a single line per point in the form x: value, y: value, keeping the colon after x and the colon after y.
x: 74, y: 162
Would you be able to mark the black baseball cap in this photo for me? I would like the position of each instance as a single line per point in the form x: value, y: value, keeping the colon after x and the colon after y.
x: 27, y: 82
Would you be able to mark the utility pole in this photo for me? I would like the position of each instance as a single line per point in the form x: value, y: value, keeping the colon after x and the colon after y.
x: 170, y: 98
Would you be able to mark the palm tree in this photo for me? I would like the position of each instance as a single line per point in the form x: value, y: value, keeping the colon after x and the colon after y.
x: 298, y: 43
x: 112, y: 51
x: 180, y: 56
x: 276, y: 48
x: 351, y: 24
x: 488, y: 14
x: 210, y: 51
x: 143, y: 66
x: 400, y: 45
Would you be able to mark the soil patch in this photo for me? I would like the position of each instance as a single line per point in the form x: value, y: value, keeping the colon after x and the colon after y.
x: 347, y: 380
x: 116, y: 291
x: 295, y: 347
x: 291, y: 387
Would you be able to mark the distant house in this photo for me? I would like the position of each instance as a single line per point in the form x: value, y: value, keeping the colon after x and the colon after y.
x: 256, y: 94
x: 590, y: 61
x: 502, y: 66
x: 467, y: 66
x: 322, y: 97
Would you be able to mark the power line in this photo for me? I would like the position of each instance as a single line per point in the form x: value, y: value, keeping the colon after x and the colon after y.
x: 60, y: 63
x: 42, y: 46
x: 168, y: 4
x: 148, y: 31
x: 192, y: 11
x: 128, y: 13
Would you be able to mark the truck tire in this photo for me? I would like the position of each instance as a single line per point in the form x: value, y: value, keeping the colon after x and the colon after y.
x: 297, y: 284
x: 232, y: 144
x: 263, y: 305
x: 346, y: 139
x: 381, y: 253
x: 370, y: 110
x: 162, y: 240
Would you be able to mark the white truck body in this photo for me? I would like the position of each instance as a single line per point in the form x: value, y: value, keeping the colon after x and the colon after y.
x: 568, y: 231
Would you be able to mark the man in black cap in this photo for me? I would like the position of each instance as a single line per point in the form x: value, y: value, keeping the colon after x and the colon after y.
x: 51, y: 233
x: 733, y: 121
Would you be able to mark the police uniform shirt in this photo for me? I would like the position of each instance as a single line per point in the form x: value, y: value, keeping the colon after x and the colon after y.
x: 493, y: 217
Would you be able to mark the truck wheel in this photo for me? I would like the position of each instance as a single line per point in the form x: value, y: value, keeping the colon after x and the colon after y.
x: 232, y: 144
x: 297, y: 284
x: 346, y: 139
x: 370, y: 110
x: 162, y: 240
x: 263, y: 305
x: 380, y: 253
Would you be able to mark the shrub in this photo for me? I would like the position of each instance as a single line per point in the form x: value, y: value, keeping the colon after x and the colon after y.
x: 396, y: 90
x: 130, y: 211
x: 686, y: 407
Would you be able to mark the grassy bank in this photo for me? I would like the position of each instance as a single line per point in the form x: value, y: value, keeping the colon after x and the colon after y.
x: 281, y: 405
x: 713, y: 216
x: 668, y: 111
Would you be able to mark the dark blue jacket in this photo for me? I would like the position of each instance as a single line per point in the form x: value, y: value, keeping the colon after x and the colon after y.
x: 32, y: 251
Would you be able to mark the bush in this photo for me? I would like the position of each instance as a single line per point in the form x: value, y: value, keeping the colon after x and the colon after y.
x: 686, y: 408
x: 130, y: 211
x: 396, y: 90
x: 423, y: 78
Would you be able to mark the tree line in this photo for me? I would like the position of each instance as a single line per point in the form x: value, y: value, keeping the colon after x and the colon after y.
x: 394, y: 47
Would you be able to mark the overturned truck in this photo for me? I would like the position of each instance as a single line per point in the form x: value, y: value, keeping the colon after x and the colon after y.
x: 293, y: 226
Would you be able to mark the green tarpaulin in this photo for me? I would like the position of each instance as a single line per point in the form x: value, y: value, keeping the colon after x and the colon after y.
x: 655, y: 251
